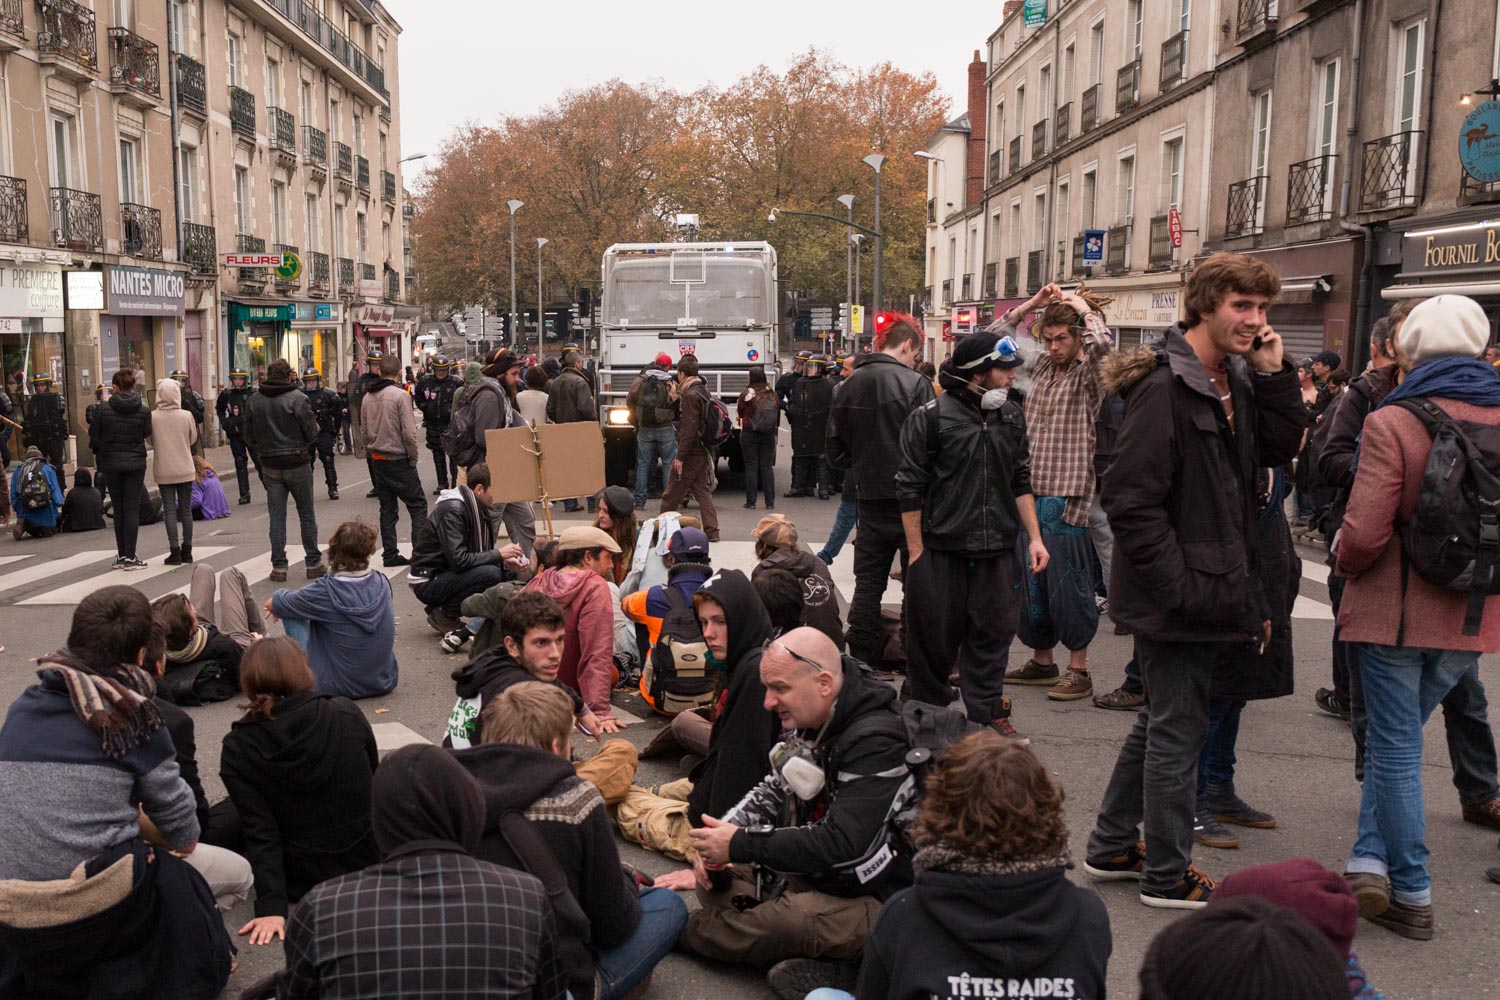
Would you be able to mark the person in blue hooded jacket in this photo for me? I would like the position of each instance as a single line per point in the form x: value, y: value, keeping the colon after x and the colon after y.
x: 345, y: 620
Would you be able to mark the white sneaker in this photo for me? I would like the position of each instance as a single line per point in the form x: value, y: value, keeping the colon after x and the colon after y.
x: 132, y: 563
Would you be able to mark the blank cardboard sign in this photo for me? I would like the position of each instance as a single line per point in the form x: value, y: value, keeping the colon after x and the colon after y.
x: 572, y: 461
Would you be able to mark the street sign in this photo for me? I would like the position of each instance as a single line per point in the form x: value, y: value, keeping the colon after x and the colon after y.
x: 857, y: 318
x: 254, y: 259
x: 290, y: 268
x: 1093, y: 247
x: 1174, y: 226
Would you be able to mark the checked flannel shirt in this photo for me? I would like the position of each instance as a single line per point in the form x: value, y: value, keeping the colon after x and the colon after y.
x: 1060, y: 412
x: 436, y: 925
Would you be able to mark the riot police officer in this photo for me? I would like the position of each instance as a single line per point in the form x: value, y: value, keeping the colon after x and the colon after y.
x: 812, y: 399
x: 787, y: 382
x: 435, y: 400
x: 101, y: 394
x: 357, y: 390
x: 230, y: 408
x: 193, y: 403
x: 46, y: 421
x: 326, y: 406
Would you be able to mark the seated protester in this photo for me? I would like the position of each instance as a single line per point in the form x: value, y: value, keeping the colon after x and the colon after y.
x: 648, y: 567
x: 992, y: 900
x: 836, y: 777
x: 227, y: 873
x: 616, y: 517
x: 1241, y: 949
x: 781, y: 593
x: 36, y: 496
x: 523, y: 767
x: 345, y: 620
x: 1322, y: 897
x: 776, y: 547
x: 454, y: 555
x: 209, y: 502
x: 428, y: 816
x: 86, y: 907
x: 741, y: 732
x: 203, y: 662
x: 688, y: 566
x: 297, y: 767
x: 585, y: 558
x: 83, y: 507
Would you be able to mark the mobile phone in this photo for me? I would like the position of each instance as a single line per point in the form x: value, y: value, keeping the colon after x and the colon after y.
x: 1257, y: 343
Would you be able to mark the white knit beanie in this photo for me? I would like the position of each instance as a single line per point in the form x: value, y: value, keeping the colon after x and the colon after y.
x: 1445, y: 326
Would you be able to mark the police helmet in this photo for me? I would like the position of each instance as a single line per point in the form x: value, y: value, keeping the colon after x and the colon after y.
x: 373, y: 358
x: 180, y: 376
x: 815, y: 365
x: 235, y: 373
x: 41, y: 377
x: 311, y: 372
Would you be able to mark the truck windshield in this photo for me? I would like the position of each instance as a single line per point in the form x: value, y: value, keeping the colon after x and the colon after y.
x: 706, y: 289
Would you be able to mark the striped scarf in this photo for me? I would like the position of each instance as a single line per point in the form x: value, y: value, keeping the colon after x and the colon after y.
x: 115, y: 702
x: 194, y: 648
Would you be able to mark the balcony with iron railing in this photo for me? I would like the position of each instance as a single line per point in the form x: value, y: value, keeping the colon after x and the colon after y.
x: 991, y: 280
x: 346, y: 276
x: 1012, y: 277
x: 250, y: 277
x: 1034, y: 272
x: 319, y: 274
x: 140, y: 229
x: 966, y: 288
x: 1389, y: 178
x: 388, y: 187
x: 992, y: 170
x: 1039, y: 140
x: 1160, y: 253
x: 1015, y: 154
x: 283, y: 285
x: 1247, y: 202
x: 362, y: 173
x: 281, y: 127
x: 66, y: 38
x: 15, y: 220
x: 1472, y: 192
x: 947, y: 292
x: 192, y: 86
x: 1255, y: 17
x: 343, y: 164
x: 77, y: 220
x: 1117, y: 249
x: 408, y: 210
x: 1309, y: 190
x: 411, y: 285
x: 392, y: 287
x: 1062, y: 130
x: 1128, y: 87
x: 242, y: 112
x: 1079, y: 270
x: 315, y: 150
x: 12, y: 28
x: 1088, y: 108
x: 385, y: 113
x: 1173, y: 61
x: 334, y: 42
x: 200, y: 249
x: 134, y: 68
x: 366, y: 272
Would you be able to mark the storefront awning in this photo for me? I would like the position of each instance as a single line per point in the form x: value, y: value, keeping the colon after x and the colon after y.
x: 1300, y: 289
x: 1473, y: 289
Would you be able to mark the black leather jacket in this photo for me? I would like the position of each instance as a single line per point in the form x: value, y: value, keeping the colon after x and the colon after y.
x: 963, y: 468
x: 864, y: 425
x: 279, y: 423
x: 454, y: 541
x: 326, y: 405
x: 435, y: 400
x: 230, y: 407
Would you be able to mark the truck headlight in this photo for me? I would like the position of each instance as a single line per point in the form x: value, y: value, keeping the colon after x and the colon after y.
x: 617, y: 416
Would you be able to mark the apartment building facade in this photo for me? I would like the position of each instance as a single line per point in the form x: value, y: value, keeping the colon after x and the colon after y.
x: 948, y: 203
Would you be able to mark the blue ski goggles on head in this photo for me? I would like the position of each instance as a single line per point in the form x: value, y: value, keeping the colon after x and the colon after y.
x: 1006, y: 350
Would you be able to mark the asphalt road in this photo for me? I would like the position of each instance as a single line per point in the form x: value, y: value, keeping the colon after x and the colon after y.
x: 1293, y: 761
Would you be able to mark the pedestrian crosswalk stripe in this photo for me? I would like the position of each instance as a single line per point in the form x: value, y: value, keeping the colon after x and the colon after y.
x: 53, y: 567
x: 1315, y: 570
x: 394, y: 735
x: 75, y: 592
x: 1306, y: 607
x: 7, y: 560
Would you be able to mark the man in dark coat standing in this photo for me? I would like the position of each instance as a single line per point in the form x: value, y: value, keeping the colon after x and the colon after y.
x: 1205, y: 408
x: 812, y: 399
x: 570, y: 398
x: 435, y: 400
x: 46, y: 421
x: 231, y: 405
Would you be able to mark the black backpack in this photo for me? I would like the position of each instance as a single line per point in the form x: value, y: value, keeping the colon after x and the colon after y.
x: 35, y: 493
x: 458, y: 436
x: 1453, y: 540
x: 765, y: 413
x: 717, y: 427
x: 653, y: 407
x: 679, y: 677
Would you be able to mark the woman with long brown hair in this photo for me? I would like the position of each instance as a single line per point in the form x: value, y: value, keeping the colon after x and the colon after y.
x: 297, y: 766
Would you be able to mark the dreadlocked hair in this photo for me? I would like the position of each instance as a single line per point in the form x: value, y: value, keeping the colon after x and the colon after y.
x: 1062, y: 314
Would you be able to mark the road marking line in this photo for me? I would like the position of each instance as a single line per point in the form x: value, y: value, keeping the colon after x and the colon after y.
x: 42, y: 570
x: 75, y: 592
x: 1306, y: 607
x: 394, y: 735
x: 1315, y: 571
x: 7, y: 560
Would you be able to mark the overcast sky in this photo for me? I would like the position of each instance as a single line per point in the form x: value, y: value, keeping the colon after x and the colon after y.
x: 472, y: 61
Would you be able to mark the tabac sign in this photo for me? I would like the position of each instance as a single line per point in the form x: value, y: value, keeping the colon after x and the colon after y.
x: 1460, y: 248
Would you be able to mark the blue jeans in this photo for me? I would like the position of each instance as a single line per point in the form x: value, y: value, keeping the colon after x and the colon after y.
x: 1401, y: 686
x: 297, y: 482
x: 1216, y: 762
x: 652, y: 443
x: 177, y: 509
x: 622, y: 968
x: 843, y: 523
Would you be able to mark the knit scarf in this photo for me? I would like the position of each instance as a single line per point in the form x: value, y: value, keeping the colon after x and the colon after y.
x: 1467, y: 380
x: 193, y: 649
x: 943, y: 856
x: 115, y: 702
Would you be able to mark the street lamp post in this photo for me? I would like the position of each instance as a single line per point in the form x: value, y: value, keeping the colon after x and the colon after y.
x: 847, y: 200
x: 858, y: 239
x: 875, y: 161
x: 541, y: 324
x: 513, y: 204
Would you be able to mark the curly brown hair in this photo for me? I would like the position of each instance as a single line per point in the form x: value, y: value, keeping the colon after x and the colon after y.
x: 988, y: 796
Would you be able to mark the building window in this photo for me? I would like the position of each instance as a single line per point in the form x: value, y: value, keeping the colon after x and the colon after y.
x: 125, y: 13
x: 338, y: 231
x: 1069, y: 59
x: 1044, y: 96
x: 130, y: 165
x: 187, y: 179
x: 385, y: 143
x: 385, y: 240
x: 1409, y: 38
x: 1260, y: 137
x: 1126, y: 191
x: 1171, y: 173
x: 359, y: 132
x: 312, y: 223
x: 63, y: 173
x: 179, y: 14
x: 1326, y: 109
x: 241, y: 199
x: 278, y: 212
x: 306, y: 101
x: 1096, y: 53
x: 1184, y: 15
x: 335, y: 123
x: 361, y: 237
x: 232, y: 59
x: 273, y: 83
x: 1015, y: 229
x: 1089, y: 199
x: 1133, y: 13
x: 1021, y: 110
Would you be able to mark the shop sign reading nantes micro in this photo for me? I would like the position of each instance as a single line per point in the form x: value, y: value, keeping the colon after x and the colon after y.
x: 146, y: 291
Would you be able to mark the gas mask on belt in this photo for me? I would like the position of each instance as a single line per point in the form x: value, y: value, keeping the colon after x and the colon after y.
x: 793, y: 760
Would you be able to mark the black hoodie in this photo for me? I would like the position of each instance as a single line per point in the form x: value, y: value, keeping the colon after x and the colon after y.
x: 743, y: 731
x: 279, y: 422
x: 118, y: 433
x: 956, y: 934
x: 481, y: 679
x: 573, y: 822
x: 301, y: 783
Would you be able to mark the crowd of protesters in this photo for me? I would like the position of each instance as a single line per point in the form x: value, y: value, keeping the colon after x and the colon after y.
x: 852, y: 832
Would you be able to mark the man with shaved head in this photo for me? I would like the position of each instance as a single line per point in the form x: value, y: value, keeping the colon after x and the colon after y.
x: 815, y: 829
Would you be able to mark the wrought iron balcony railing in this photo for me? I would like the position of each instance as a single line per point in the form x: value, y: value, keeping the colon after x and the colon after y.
x: 77, y: 220
x: 966, y: 288
x: 192, y: 85
x: 199, y: 248
x: 318, y: 277
x: 346, y: 276
x: 388, y: 186
x: 392, y: 287
x: 242, y: 112
x: 1247, y: 199
x: 366, y: 272
x: 1255, y: 16
x: 1012, y: 277
x: 1039, y: 140
x: 250, y: 277
x: 1088, y: 108
x: 282, y: 285
x: 10, y: 18
x: 362, y: 173
x: 314, y: 146
x: 1309, y: 190
x: 991, y: 280
x: 141, y: 228
x: 1390, y: 172
x: 992, y: 176
x: 1173, y: 61
x: 1034, y: 272
x: 134, y: 63
x: 343, y: 162
x: 1159, y: 251
x: 1015, y: 154
x: 66, y: 29
x: 1472, y: 192
x: 15, y: 222
x: 1062, y: 130
x: 408, y: 210
x: 1117, y: 249
x: 1128, y: 87
x: 283, y: 130
x: 947, y: 292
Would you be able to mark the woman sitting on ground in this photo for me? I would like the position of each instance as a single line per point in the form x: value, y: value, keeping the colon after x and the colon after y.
x: 345, y: 619
x: 297, y: 767
x: 83, y: 507
x: 209, y: 502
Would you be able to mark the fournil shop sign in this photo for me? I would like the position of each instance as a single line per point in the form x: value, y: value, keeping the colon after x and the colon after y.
x: 145, y: 291
x: 1466, y: 248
